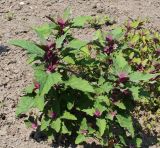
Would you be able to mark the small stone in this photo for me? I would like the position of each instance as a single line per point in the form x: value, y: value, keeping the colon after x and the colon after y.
x: 16, y: 71
x: 6, y: 80
x: 88, y: 3
x: 3, y: 131
x: 100, y: 10
x: 98, y: 5
x: 18, y: 7
x: 94, y: 6
x: 21, y: 3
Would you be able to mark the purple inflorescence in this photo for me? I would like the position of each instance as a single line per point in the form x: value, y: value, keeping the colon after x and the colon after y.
x: 53, y: 115
x: 97, y: 113
x: 110, y: 45
x: 123, y: 77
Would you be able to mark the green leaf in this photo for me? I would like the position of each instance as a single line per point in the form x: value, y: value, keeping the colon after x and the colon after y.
x: 29, y: 46
x: 39, y: 102
x: 48, y: 81
x: 138, y: 142
x: 56, y: 125
x: 60, y: 40
x: 40, y: 75
x: 43, y: 31
x: 67, y: 13
x: 107, y: 87
x: 135, y: 23
x: 85, y: 51
x: 101, y: 123
x: 118, y: 146
x: 126, y: 122
x: 76, y: 44
x: 45, y: 123
x: 104, y: 88
x: 80, y: 21
x: 120, y: 64
x: 70, y: 105
x: 104, y: 99
x: 101, y: 80
x: 84, y: 125
x: 68, y: 116
x: 80, y: 84
x: 117, y: 33
x: 89, y: 111
x: 100, y: 106
x: 31, y: 58
x: 53, y: 25
x: 135, y: 92
x: 139, y: 76
x: 98, y: 36
x: 122, y: 140
x: 80, y: 138
x: 64, y: 129
x: 29, y: 89
x: 28, y: 123
x: 24, y: 105
x: 159, y: 88
x: 68, y: 60
x: 120, y: 105
x: 135, y: 39
x: 52, y: 79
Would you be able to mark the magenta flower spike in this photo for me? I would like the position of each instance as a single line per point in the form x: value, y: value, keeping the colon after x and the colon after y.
x: 34, y: 125
x: 126, y: 92
x: 52, y: 66
x: 108, y: 50
x: 61, y: 23
x: 140, y: 67
x: 123, y: 77
x: 113, y: 113
x: 131, y: 146
x: 109, y: 38
x: 50, y: 45
x: 97, y: 113
x: 128, y: 26
x: 156, y: 40
x: 157, y: 66
x: 37, y: 85
x: 53, y: 115
x: 158, y: 52
x: 49, y: 54
x: 84, y: 132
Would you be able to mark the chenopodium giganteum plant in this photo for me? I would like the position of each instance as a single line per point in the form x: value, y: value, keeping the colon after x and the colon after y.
x: 86, y: 90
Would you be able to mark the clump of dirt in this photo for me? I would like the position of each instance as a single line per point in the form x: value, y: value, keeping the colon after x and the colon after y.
x: 17, y: 17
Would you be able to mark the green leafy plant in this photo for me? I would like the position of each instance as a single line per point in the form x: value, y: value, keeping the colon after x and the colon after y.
x: 84, y: 96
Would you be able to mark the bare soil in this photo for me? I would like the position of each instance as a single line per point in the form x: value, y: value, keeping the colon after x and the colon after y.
x: 17, y: 17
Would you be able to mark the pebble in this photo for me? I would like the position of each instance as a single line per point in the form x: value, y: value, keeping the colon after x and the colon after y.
x: 18, y: 7
x: 60, y: 1
x: 48, y: 4
x: 21, y: 3
x: 101, y: 10
x: 3, y: 131
x: 6, y: 80
x: 88, y: 3
x: 94, y: 6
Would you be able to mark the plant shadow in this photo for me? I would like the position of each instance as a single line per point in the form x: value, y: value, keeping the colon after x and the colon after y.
x: 38, y: 136
x: 3, y: 49
x: 148, y: 139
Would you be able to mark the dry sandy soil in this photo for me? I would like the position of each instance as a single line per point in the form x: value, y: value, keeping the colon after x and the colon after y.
x: 16, y: 19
